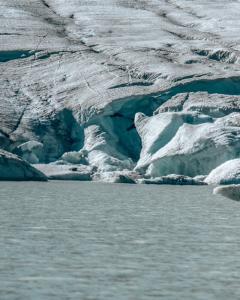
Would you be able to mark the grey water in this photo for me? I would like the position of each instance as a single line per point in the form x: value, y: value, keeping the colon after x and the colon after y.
x: 75, y: 240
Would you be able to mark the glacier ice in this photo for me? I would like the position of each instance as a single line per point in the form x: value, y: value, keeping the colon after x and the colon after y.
x: 229, y: 191
x: 215, y: 105
x: 200, y: 177
x: 149, y: 87
x: 172, y: 179
x: 103, y: 150
x: 226, y: 173
x: 31, y: 151
x: 157, y: 131
x: 115, y: 177
x: 75, y: 157
x: 66, y: 172
x: 196, y: 149
x: 13, y: 167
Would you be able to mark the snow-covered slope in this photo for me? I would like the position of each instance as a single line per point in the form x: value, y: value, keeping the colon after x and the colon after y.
x: 75, y: 73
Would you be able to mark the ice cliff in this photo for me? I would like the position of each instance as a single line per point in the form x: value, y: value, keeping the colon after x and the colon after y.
x: 146, y: 88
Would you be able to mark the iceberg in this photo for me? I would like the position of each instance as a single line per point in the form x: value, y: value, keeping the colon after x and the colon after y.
x: 172, y: 179
x: 229, y: 191
x: 65, y: 172
x: 62, y: 171
x: 116, y: 177
x: 12, y: 167
x: 226, y: 173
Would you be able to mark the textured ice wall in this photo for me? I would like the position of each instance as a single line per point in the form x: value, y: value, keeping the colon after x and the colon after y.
x: 75, y: 73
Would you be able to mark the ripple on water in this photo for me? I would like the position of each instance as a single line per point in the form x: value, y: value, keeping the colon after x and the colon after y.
x: 74, y: 240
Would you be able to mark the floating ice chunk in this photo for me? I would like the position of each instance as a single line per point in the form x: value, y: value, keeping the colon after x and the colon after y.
x: 226, y: 173
x: 66, y: 172
x: 200, y: 177
x: 115, y: 177
x: 13, y: 167
x: 172, y: 179
x: 229, y: 191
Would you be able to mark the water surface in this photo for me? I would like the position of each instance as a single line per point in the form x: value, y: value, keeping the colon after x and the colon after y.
x: 86, y: 241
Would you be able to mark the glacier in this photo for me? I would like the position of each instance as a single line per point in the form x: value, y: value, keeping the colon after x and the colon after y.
x: 121, y: 91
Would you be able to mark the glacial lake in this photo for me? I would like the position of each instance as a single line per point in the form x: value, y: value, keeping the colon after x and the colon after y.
x: 93, y: 241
